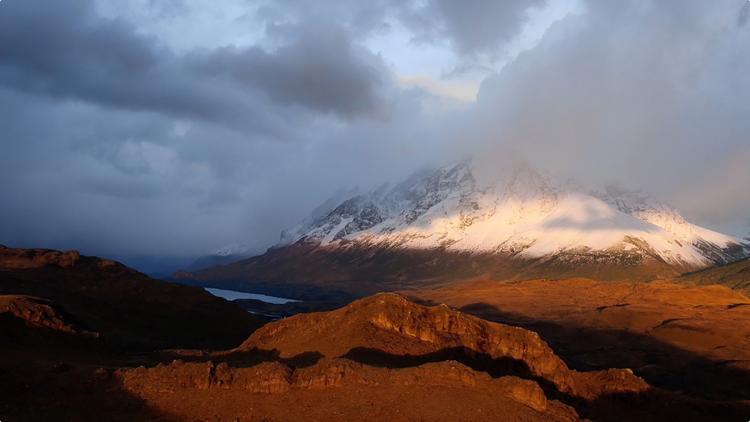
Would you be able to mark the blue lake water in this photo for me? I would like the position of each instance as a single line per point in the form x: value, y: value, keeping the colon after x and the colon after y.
x: 233, y: 294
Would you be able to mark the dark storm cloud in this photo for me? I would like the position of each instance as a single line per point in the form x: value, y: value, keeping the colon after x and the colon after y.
x: 66, y: 50
x: 63, y: 49
x: 318, y: 68
x: 115, y: 144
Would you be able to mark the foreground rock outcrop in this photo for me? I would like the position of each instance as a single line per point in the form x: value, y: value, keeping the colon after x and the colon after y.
x: 387, y: 358
x: 387, y: 329
x: 385, y: 353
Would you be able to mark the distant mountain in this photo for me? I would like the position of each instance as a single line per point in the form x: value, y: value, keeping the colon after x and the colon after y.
x: 449, y: 223
x: 526, y: 214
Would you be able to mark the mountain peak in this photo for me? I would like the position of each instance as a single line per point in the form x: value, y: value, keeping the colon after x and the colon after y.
x: 522, y: 212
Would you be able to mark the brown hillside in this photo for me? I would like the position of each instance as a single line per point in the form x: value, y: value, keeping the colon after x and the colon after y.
x: 311, y: 272
x: 735, y: 275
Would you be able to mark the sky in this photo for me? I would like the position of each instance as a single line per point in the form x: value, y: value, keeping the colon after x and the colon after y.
x: 177, y: 127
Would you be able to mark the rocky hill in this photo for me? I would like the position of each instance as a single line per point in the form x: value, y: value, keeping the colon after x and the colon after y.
x: 401, y: 361
x: 396, y: 359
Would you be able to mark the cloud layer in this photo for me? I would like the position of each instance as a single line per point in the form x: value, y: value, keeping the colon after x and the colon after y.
x: 122, y: 137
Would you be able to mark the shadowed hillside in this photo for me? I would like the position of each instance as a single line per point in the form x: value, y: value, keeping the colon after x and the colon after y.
x: 735, y: 276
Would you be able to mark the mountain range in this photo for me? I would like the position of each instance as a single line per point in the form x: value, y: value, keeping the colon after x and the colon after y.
x: 456, y: 222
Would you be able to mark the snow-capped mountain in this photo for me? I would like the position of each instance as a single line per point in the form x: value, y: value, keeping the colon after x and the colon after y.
x: 460, y: 221
x: 321, y: 211
x: 522, y: 213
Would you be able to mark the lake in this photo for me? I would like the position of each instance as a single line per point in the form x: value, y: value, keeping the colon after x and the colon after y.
x: 233, y: 294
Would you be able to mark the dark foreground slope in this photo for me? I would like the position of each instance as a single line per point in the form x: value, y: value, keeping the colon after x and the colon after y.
x: 128, y: 308
x: 67, y: 321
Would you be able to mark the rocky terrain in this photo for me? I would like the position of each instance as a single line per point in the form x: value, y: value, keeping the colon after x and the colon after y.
x: 690, y: 339
x: 401, y: 361
x: 340, y: 389
x: 90, y: 339
x: 62, y: 360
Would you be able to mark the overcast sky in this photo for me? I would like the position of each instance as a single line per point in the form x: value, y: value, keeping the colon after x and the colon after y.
x: 176, y: 127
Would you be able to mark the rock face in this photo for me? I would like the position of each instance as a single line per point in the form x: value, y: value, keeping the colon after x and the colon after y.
x: 336, y: 379
x: 340, y: 389
x: 386, y: 328
x: 128, y: 308
x: 450, y: 224
x: 386, y: 358
x: 399, y: 355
